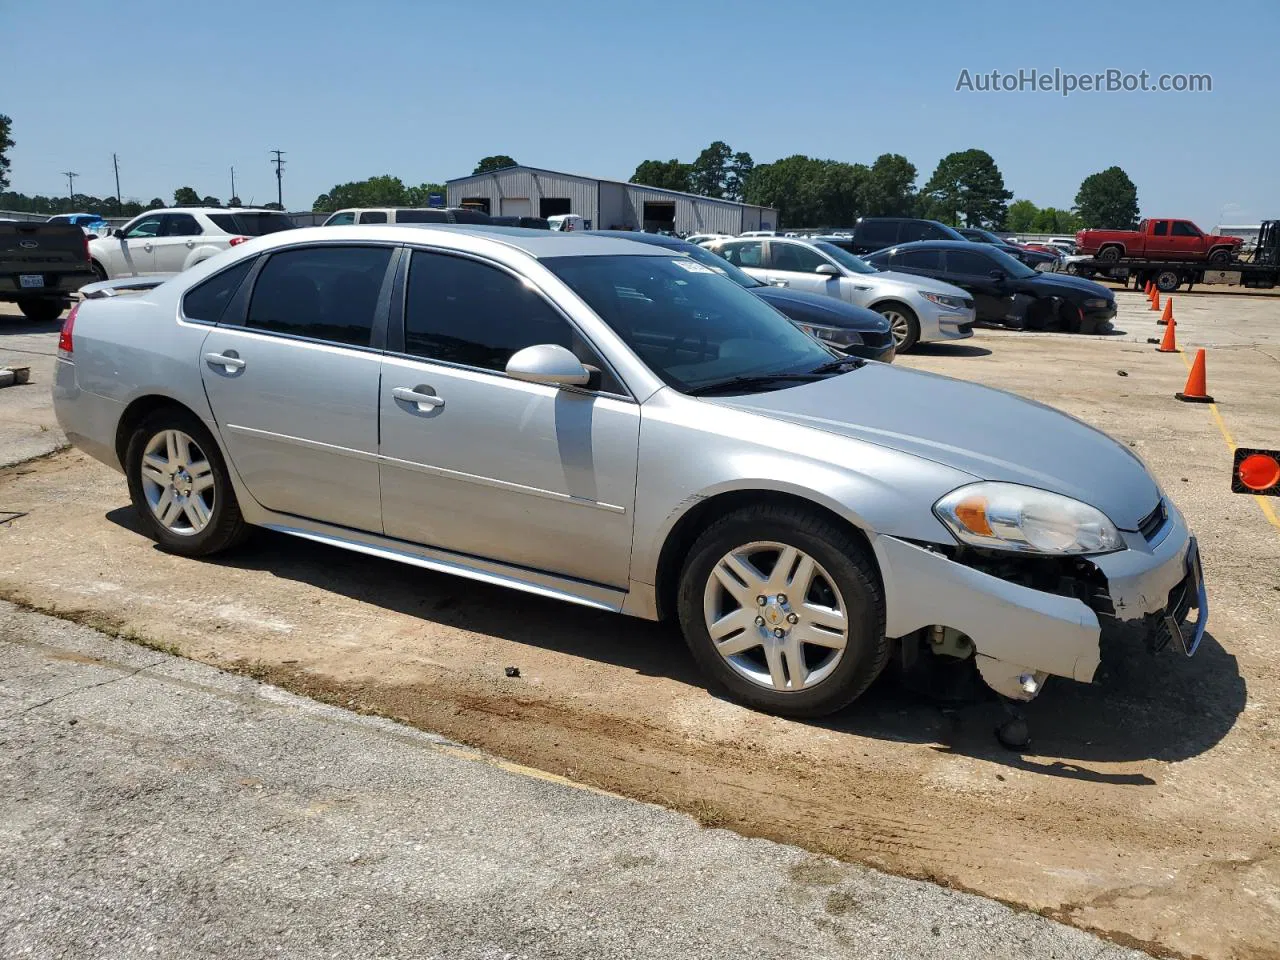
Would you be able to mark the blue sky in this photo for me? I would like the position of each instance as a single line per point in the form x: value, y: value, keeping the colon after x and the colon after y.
x: 422, y: 90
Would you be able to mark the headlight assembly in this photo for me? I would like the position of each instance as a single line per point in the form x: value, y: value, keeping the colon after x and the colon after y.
x: 1009, y: 516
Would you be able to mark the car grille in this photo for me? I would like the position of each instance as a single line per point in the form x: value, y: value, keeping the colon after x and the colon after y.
x: 965, y: 327
x: 1153, y: 522
x: 873, y: 339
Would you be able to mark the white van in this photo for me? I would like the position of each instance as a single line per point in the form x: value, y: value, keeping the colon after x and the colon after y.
x: 567, y: 222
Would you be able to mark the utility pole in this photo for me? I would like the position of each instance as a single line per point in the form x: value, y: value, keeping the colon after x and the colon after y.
x: 115, y: 162
x: 233, y: 181
x: 71, y: 185
x: 280, y: 162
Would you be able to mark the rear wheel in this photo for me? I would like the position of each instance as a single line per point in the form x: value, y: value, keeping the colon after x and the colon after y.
x: 99, y: 271
x: 41, y: 309
x: 180, y: 486
x: 902, y: 323
x: 783, y: 608
x: 1109, y: 254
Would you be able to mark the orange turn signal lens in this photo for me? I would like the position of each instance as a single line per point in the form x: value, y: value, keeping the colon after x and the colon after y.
x: 972, y: 512
x: 1259, y: 471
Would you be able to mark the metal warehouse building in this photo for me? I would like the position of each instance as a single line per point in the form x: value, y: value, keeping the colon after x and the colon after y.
x: 607, y: 204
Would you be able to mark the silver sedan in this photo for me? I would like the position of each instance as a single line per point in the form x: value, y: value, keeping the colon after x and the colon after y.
x: 599, y: 421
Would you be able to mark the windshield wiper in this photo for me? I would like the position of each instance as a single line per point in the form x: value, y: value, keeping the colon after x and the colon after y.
x: 840, y: 364
x: 745, y: 383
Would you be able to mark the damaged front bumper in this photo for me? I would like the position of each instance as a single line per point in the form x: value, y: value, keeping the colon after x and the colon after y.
x: 1031, y: 617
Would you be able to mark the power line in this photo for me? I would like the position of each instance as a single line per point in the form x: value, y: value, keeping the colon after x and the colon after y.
x: 279, y: 162
x: 71, y: 185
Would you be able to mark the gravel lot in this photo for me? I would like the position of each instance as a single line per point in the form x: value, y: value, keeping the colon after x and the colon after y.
x: 1148, y: 808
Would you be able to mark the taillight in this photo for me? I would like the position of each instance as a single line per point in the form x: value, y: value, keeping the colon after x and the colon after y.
x: 236, y: 240
x: 68, y: 325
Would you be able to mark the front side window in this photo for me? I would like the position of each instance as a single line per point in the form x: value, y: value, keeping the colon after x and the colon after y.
x: 691, y: 326
x: 1183, y: 229
x: 1161, y: 229
x: 150, y: 227
x: 181, y: 225
x: 463, y: 311
x: 323, y: 292
x: 342, y: 219
x: 747, y: 253
x: 794, y: 258
x: 207, y: 300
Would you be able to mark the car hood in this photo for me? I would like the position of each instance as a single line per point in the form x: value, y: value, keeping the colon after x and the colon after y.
x: 987, y: 433
x: 816, y: 305
x: 920, y: 283
x: 1080, y: 284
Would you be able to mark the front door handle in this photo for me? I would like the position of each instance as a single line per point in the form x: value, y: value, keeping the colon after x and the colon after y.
x: 147, y: 247
x: 229, y: 362
x: 425, y: 401
x: 190, y: 244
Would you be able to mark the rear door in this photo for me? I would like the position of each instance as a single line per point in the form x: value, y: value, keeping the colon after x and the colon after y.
x: 971, y: 270
x: 291, y: 373
x: 179, y: 235
x: 923, y: 263
x: 794, y: 265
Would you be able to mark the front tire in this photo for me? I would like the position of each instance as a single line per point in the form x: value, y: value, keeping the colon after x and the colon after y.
x: 41, y: 310
x: 99, y: 271
x: 903, y: 324
x: 1220, y: 256
x: 1167, y: 281
x: 816, y: 643
x: 180, y: 486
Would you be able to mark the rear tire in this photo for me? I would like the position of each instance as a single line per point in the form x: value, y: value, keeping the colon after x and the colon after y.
x: 840, y: 591
x: 903, y: 324
x: 99, y: 271
x: 1109, y: 254
x: 42, y: 309
x: 180, y: 486
x: 1167, y: 281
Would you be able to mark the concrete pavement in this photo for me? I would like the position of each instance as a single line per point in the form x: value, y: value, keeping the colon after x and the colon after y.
x: 152, y: 806
x: 27, y: 424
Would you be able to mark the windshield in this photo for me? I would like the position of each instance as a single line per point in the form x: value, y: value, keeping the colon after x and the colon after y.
x: 1009, y: 265
x: 720, y: 265
x: 688, y: 323
x: 845, y: 258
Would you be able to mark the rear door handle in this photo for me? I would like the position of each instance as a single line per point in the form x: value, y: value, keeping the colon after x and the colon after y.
x: 425, y: 401
x: 228, y: 361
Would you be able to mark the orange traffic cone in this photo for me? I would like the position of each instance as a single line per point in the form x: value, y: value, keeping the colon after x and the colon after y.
x: 1194, y: 391
x: 1167, y: 316
x: 1155, y: 299
x: 1169, y: 343
x: 1146, y: 288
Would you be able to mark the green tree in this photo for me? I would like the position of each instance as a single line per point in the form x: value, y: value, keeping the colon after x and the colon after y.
x: 967, y: 184
x: 6, y: 143
x: 1108, y: 200
x: 273, y: 205
x: 498, y: 162
x: 808, y: 192
x: 381, y: 191
x: 889, y: 187
x: 1021, y: 216
x: 668, y: 174
x: 155, y: 204
x: 210, y: 202
x: 186, y: 197
x: 708, y: 173
x: 1053, y: 220
x: 737, y: 175
x: 420, y: 195
x: 234, y: 202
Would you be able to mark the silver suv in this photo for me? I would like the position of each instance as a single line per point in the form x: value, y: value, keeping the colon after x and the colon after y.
x: 919, y: 310
x: 602, y: 422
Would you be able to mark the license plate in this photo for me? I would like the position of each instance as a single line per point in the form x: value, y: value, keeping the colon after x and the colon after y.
x: 29, y: 280
x: 1189, y: 635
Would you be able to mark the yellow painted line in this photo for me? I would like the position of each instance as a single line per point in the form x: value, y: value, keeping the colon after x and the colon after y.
x: 1264, y: 503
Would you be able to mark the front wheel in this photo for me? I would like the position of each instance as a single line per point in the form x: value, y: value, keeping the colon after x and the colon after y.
x: 180, y: 486
x: 1219, y: 257
x: 903, y: 324
x: 783, y: 608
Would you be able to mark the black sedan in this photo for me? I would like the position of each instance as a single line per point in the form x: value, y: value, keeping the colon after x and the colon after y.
x: 1006, y: 291
x: 853, y: 330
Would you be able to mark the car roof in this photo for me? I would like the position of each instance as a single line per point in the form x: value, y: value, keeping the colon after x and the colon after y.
x: 939, y: 245
x: 653, y: 239
x: 536, y: 243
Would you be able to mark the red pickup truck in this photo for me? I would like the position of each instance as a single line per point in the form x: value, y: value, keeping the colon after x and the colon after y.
x: 1158, y: 240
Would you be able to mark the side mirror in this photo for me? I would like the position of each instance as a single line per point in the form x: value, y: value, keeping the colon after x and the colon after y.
x: 996, y: 275
x: 827, y: 270
x: 548, y: 363
x: 118, y: 233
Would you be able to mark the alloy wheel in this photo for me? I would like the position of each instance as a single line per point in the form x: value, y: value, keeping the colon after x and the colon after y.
x: 898, y: 325
x: 775, y: 616
x: 178, y: 482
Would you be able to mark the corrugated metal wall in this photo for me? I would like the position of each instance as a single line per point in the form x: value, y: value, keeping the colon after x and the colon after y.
x: 614, y: 212
x: 532, y: 184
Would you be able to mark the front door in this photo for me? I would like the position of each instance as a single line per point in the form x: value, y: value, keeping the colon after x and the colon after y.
x: 794, y: 265
x: 293, y: 384
x: 522, y: 473
x: 993, y: 299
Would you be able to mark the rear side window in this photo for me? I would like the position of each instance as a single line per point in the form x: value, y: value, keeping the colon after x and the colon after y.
x: 747, y: 254
x: 341, y: 219
x: 373, y: 216
x: 206, y: 301
x: 918, y: 259
x: 421, y: 216
x: 324, y: 293
x: 252, y: 224
x: 181, y: 225
x: 970, y: 264
x: 877, y: 231
x: 921, y: 230
x: 469, y: 215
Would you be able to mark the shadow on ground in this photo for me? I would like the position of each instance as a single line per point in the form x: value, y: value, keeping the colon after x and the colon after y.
x: 1142, y: 706
x: 949, y: 350
x: 11, y: 326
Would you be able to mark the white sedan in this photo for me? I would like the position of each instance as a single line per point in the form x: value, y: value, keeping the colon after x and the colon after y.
x: 170, y: 240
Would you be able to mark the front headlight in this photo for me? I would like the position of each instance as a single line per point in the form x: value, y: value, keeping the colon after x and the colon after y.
x: 838, y: 336
x: 1096, y: 304
x: 942, y: 300
x: 1009, y: 516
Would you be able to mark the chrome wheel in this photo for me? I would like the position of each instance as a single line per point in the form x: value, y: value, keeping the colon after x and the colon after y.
x: 899, y: 326
x: 178, y: 482
x: 775, y: 616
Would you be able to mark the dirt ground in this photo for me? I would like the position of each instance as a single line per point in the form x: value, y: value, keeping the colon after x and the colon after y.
x: 1148, y: 808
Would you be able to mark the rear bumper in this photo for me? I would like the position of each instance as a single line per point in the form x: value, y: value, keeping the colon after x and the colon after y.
x: 54, y: 284
x: 88, y: 420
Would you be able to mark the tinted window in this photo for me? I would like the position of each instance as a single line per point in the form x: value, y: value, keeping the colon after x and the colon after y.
x: 877, y: 231
x: 469, y: 215
x: 181, y: 225
x: 463, y: 311
x: 421, y: 216
x: 150, y: 227
x: 252, y: 224
x: 970, y: 264
x: 921, y: 230
x: 1183, y: 229
x: 795, y: 258
x: 918, y: 259
x: 1162, y: 228
x: 746, y: 254
x: 328, y: 293
x: 341, y: 219
x: 373, y: 216
x: 207, y: 300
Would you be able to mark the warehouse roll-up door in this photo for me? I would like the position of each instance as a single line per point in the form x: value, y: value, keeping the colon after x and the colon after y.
x: 516, y: 207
